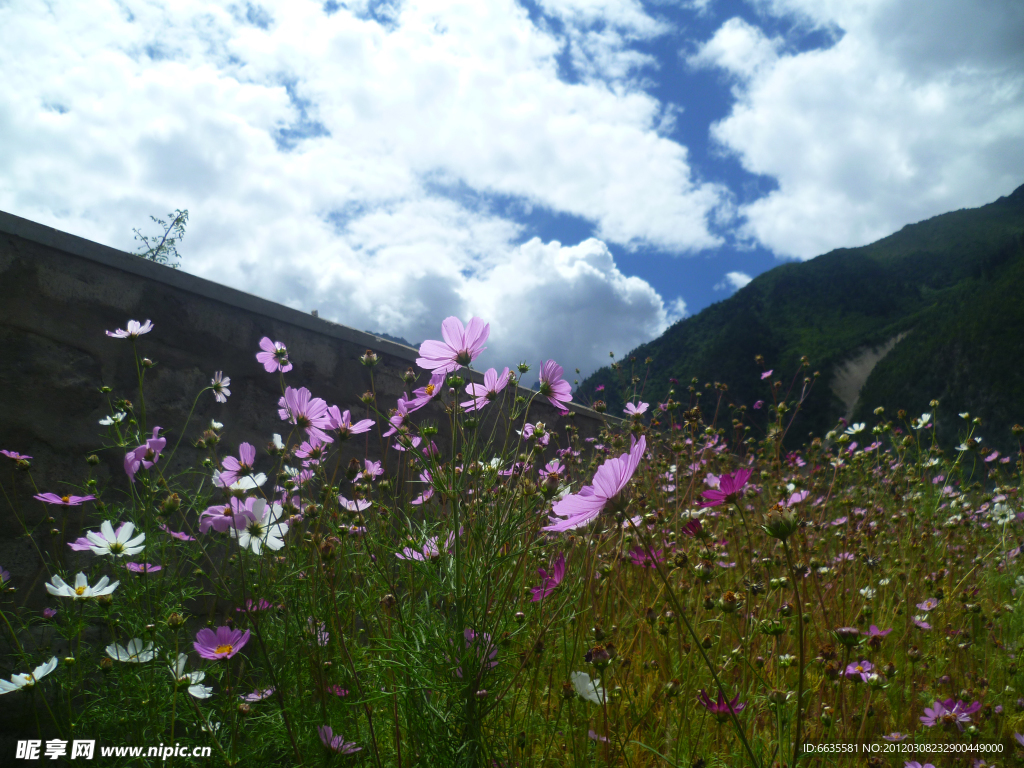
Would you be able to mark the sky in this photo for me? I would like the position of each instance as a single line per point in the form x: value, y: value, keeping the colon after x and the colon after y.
x: 580, y: 174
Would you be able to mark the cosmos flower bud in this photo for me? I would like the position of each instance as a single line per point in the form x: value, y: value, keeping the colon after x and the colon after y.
x: 367, y: 398
x: 409, y: 376
x: 369, y: 358
x: 171, y: 504
x: 175, y: 621
x: 780, y: 522
x: 147, y: 363
x: 600, y: 406
x: 93, y: 460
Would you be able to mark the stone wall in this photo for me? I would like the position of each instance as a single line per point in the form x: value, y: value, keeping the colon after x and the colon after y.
x: 59, y: 293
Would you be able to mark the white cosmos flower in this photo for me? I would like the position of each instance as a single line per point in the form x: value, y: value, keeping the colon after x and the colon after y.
x: 28, y: 679
x: 191, y: 679
x: 263, y: 529
x: 215, y: 425
x: 868, y: 593
x: 587, y: 688
x: 278, y: 443
x: 965, y: 415
x: 81, y: 590
x: 135, y: 652
x: 247, y: 483
x: 853, y: 429
x: 106, y: 542
x: 1001, y: 514
x: 116, y: 418
x: 923, y: 421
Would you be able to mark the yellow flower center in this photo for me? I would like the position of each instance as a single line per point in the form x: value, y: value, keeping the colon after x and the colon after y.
x: 429, y: 389
x: 65, y: 499
x: 80, y: 590
x: 860, y: 669
x: 224, y: 648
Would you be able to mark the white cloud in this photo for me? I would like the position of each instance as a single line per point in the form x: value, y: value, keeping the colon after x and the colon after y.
x: 909, y: 114
x: 738, y: 47
x: 370, y: 165
x: 734, y: 281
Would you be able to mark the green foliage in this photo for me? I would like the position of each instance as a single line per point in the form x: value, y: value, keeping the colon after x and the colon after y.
x: 163, y: 248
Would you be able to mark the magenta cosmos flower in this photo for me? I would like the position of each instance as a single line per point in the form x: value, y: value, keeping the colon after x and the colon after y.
x: 610, y: 479
x: 336, y: 743
x: 341, y: 422
x: 549, y: 580
x: 484, y: 393
x: 721, y: 708
x: 461, y: 346
x: 299, y: 407
x: 237, y: 513
x: 233, y: 468
x: 222, y: 644
x: 552, y: 386
x: 950, y: 712
x: 859, y: 670
x: 146, y: 455
x: 15, y: 456
x: 64, y: 501
x: 134, y: 330
x: 728, y: 488
x: 274, y: 356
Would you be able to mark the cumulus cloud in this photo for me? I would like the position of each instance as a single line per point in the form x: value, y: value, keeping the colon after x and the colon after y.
x: 369, y: 160
x: 907, y: 115
x: 734, y: 281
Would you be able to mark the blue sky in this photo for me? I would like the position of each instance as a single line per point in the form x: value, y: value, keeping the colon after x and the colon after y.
x: 579, y: 173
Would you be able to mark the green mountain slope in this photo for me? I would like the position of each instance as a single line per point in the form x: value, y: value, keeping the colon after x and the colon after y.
x: 947, y: 292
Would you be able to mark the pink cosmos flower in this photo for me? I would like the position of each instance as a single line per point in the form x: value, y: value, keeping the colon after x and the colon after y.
x: 759, y: 405
x: 319, y: 631
x: 356, y: 505
x: 233, y: 468
x: 428, y: 493
x: 461, y: 346
x: 221, y: 517
x: 950, y: 712
x: 337, y: 690
x: 928, y: 605
x: 222, y: 644
x: 728, y: 488
x: 257, y: 695
x: 404, y: 442
x: 49, y: 613
x: 721, y: 708
x: 429, y: 552
x: 145, y: 456
x: 400, y: 416
x: 341, y: 422
x: 64, y: 501
x: 609, y: 481
x: 251, y: 606
x: 336, y: 743
x: 549, y: 580
x: 176, y: 534
x: 424, y: 395
x: 371, y: 471
x: 874, y: 631
x: 484, y: 393
x: 135, y: 329
x: 143, y: 567
x: 765, y: 375
x: 15, y: 456
x: 552, y: 386
x: 220, y: 384
x: 537, y: 432
x: 635, y: 410
x: 299, y: 407
x: 646, y: 558
x: 274, y: 356
x: 915, y: 764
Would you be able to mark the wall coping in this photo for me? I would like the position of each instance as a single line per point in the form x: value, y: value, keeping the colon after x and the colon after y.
x: 176, y: 278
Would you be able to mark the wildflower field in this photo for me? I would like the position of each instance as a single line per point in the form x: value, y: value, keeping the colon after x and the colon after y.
x: 692, y: 588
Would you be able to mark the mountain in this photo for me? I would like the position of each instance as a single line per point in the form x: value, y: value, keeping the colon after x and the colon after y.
x: 932, y: 312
